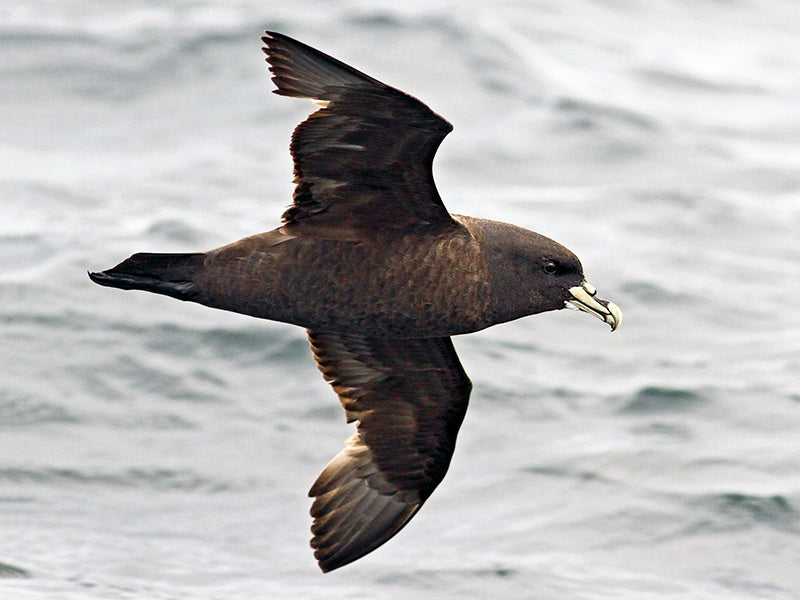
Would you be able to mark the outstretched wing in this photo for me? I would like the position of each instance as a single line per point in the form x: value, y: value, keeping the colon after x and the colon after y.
x: 364, y: 160
x: 409, y: 397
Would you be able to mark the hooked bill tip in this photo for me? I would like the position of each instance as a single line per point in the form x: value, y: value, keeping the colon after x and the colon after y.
x: 584, y: 300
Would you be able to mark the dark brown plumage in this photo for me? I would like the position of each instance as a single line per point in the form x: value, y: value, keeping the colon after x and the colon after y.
x: 371, y: 263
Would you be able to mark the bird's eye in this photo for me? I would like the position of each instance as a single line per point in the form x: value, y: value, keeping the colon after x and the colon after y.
x: 551, y: 267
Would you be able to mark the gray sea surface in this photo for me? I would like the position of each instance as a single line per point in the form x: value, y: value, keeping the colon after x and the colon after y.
x: 153, y: 449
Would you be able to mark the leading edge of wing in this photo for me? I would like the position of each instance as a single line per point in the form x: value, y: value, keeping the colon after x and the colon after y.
x: 363, y: 162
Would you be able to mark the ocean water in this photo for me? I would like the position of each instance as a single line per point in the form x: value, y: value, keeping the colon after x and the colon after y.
x: 152, y: 449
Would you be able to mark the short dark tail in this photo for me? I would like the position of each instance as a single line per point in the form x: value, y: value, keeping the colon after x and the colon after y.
x: 169, y: 274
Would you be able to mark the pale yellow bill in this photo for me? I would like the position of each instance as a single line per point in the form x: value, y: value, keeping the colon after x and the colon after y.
x: 585, y: 300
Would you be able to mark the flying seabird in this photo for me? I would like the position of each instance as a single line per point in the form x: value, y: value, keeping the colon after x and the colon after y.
x: 371, y: 263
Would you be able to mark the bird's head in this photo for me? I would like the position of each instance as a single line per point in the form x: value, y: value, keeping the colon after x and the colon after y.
x: 531, y: 273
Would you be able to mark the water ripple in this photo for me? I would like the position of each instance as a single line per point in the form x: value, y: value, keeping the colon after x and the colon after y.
x: 154, y: 479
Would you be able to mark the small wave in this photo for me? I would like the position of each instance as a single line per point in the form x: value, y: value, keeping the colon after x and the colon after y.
x: 154, y: 479
x: 131, y: 23
x: 17, y: 410
x: 153, y: 378
x: 656, y: 399
x: 250, y: 344
x: 175, y: 230
x: 731, y: 510
x: 11, y: 572
x: 693, y: 83
x: 591, y: 114
x: 650, y: 292
x: 567, y: 472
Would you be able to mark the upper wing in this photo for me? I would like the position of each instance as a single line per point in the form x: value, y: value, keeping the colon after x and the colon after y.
x: 364, y: 160
x: 409, y: 398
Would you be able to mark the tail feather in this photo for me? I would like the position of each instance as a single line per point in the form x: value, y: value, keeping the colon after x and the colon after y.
x: 169, y: 274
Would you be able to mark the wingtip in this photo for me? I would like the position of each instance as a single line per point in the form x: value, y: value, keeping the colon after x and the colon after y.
x: 268, y: 38
x: 326, y: 567
x: 271, y: 37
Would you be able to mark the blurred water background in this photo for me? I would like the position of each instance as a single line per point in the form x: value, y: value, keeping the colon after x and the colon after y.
x: 152, y: 449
